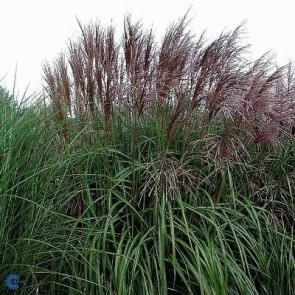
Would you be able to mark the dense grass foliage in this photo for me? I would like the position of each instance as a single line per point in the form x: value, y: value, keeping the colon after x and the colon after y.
x: 183, y: 184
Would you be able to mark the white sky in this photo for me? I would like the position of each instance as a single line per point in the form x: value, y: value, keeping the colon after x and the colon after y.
x: 34, y: 30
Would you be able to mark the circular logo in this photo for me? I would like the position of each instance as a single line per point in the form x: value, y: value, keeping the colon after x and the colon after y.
x: 12, y: 281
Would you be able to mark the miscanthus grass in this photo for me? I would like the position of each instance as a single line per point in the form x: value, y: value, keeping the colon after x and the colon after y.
x: 154, y: 169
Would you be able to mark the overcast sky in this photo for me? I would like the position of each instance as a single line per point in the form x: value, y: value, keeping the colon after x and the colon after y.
x: 32, y: 31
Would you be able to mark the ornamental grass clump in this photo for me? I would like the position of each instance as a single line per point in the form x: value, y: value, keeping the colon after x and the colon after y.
x: 156, y: 168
